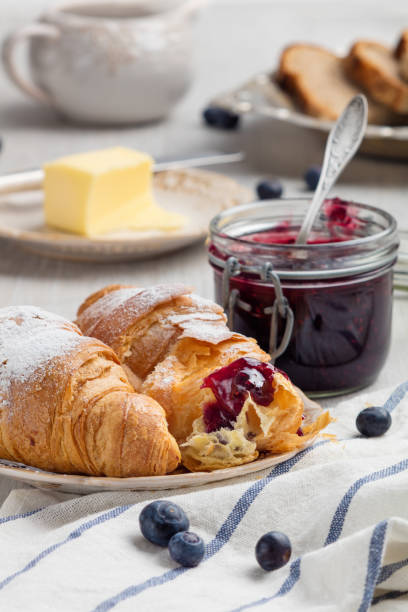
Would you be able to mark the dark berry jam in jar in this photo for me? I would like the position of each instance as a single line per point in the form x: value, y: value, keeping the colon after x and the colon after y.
x: 323, y: 310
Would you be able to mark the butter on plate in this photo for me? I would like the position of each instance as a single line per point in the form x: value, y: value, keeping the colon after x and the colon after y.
x: 104, y: 191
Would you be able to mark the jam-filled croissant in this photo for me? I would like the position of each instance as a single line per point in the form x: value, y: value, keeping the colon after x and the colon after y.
x: 224, y: 402
x: 66, y: 404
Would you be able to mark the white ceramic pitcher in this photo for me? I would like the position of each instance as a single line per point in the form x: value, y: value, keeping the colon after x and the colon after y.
x: 107, y: 62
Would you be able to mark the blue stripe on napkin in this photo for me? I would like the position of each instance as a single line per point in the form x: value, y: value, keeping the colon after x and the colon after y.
x: 388, y: 570
x: 14, y: 517
x: 375, y: 554
x: 102, y: 518
x: 396, y: 397
x: 289, y: 583
x: 342, y: 509
x: 389, y: 595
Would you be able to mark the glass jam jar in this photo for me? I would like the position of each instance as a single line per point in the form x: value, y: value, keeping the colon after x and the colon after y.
x: 322, y: 310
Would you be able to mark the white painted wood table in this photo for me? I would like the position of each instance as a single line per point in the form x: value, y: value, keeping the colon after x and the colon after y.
x: 233, y: 41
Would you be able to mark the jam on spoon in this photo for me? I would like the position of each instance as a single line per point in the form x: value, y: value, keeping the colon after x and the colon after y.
x: 231, y: 386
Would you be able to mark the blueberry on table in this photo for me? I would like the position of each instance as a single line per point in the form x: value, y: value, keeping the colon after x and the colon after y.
x: 373, y: 421
x: 186, y: 548
x: 269, y: 190
x: 312, y: 176
x: 160, y: 520
x: 273, y: 550
x: 222, y: 118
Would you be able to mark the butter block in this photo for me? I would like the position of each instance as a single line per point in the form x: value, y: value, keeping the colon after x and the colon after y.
x: 104, y: 191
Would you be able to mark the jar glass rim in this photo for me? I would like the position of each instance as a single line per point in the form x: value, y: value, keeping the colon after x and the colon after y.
x: 389, y: 230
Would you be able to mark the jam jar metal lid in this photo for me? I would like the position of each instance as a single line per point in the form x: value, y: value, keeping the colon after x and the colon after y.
x: 348, y: 239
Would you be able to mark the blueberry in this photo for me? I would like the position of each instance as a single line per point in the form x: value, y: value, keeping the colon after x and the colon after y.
x: 160, y: 520
x: 269, y: 190
x: 373, y: 421
x: 220, y: 118
x: 186, y: 548
x: 273, y: 550
x: 312, y: 176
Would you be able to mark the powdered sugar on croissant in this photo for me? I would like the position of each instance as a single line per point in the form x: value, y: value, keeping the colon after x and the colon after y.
x: 67, y: 406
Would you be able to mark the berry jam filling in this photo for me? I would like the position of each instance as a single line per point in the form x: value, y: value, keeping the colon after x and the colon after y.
x: 341, y: 225
x: 231, y: 386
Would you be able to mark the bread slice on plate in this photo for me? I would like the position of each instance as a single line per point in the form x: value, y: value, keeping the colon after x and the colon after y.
x: 374, y: 67
x: 316, y: 79
x: 401, y: 54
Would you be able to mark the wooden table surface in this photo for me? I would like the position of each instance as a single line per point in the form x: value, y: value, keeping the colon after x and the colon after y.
x: 233, y: 40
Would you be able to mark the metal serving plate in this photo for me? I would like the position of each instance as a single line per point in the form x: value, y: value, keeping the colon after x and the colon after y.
x: 262, y: 96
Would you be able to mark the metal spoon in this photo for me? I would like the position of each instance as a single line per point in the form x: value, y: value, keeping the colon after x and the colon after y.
x: 343, y: 141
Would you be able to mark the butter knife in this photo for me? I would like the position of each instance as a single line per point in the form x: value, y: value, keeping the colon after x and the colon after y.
x: 29, y: 180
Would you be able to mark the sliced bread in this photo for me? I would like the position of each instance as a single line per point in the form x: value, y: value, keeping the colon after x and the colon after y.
x: 316, y: 79
x: 401, y: 53
x: 374, y: 67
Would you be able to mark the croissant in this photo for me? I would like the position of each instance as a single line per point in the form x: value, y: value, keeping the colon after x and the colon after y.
x: 66, y: 404
x: 224, y: 402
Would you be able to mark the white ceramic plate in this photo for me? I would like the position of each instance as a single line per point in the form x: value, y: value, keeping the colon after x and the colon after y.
x: 197, y: 194
x: 261, y: 95
x: 73, y: 483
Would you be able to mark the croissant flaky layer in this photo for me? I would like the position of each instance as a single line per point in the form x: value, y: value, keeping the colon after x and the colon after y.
x: 170, y: 340
x: 66, y: 404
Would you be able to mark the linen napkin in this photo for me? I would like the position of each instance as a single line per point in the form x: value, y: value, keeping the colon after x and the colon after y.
x: 344, y: 506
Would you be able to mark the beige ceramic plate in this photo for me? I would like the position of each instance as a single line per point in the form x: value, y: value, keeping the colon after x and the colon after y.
x: 262, y: 96
x: 72, y: 483
x: 197, y: 194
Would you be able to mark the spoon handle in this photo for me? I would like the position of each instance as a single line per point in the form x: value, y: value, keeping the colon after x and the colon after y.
x: 343, y: 141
